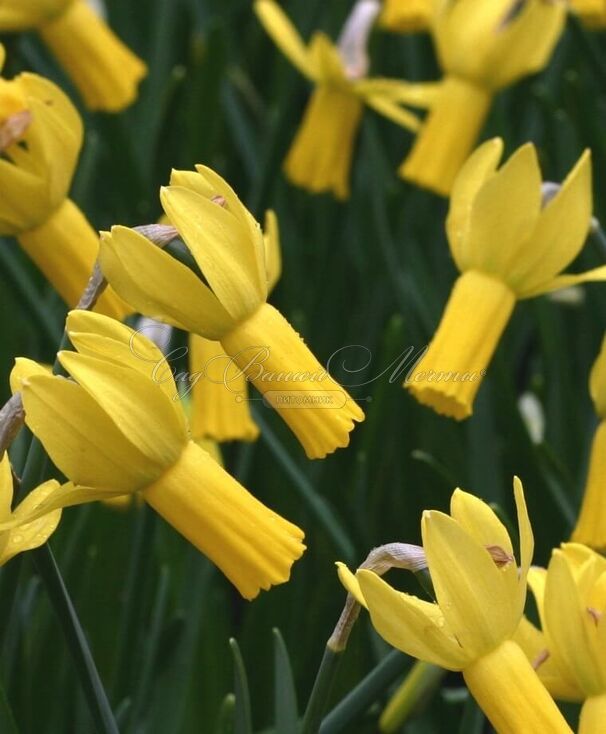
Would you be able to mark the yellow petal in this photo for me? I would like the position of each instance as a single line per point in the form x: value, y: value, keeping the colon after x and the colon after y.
x: 479, y: 167
x: 560, y: 232
x: 29, y: 533
x: 567, y: 281
x: 504, y: 214
x: 415, y: 94
x: 99, y: 336
x: 392, y: 111
x: 415, y: 627
x: 80, y: 438
x: 564, y: 625
x: 156, y: 284
x: 470, y: 589
x: 351, y: 583
x: 593, y: 715
x: 597, y: 381
x: 103, y: 69
x: 252, y: 545
x: 526, y: 541
x: 221, y: 246
x: 276, y: 360
x: 6, y: 487
x: 23, y: 369
x: 152, y: 421
x: 273, y: 255
x: 284, y: 35
x: 326, y: 60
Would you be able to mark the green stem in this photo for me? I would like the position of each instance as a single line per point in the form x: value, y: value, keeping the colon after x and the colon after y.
x: 320, y: 693
x: 365, y: 693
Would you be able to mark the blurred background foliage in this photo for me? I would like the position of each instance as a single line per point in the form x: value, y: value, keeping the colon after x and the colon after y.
x: 373, y: 272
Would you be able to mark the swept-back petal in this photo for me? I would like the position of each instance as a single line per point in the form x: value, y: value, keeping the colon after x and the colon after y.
x: 479, y: 167
x: 416, y: 627
x: 595, y: 275
x: 504, y: 214
x: 526, y: 542
x: 157, y: 285
x: 471, y: 591
x: 24, y: 368
x: 564, y: 624
x: 560, y: 231
x: 222, y: 247
x: 153, y: 422
x: 284, y: 35
x: 6, y: 487
x: 351, y: 583
x: 99, y: 336
x: 273, y: 255
x: 80, y: 438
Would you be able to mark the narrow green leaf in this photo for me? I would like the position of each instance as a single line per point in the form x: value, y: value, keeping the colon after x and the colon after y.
x: 285, y: 695
x: 242, y: 713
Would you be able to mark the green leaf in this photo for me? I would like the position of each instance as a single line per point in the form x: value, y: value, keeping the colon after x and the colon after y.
x: 285, y: 695
x: 242, y: 713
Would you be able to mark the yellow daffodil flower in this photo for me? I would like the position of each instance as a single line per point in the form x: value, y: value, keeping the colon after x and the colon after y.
x: 591, y: 12
x: 509, y: 243
x: 591, y: 523
x: 103, y: 69
x: 219, y: 391
x: 482, y: 47
x: 22, y: 531
x: 478, y: 607
x: 41, y: 136
x: 117, y: 428
x: 320, y: 156
x: 405, y: 16
x: 569, y: 653
x: 229, y: 305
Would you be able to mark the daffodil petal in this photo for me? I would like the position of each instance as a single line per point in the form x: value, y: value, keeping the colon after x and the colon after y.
x: 479, y: 167
x: 526, y: 541
x: 504, y: 214
x: 284, y: 35
x: 273, y: 255
x: 22, y: 370
x: 567, y: 281
x: 220, y: 245
x: 80, y: 438
x: 560, y: 232
x: 470, y: 589
x: 154, y: 423
x: 6, y: 487
x: 392, y: 111
x: 597, y: 381
x: 351, y: 583
x: 416, y: 627
x: 156, y: 284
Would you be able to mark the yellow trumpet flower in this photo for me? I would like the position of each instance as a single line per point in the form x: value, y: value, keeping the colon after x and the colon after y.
x: 591, y: 12
x: 591, y: 523
x: 478, y: 608
x: 321, y: 154
x: 482, y: 47
x: 220, y: 410
x: 405, y: 16
x: 229, y: 305
x: 22, y: 530
x: 113, y: 430
x: 41, y: 136
x: 509, y: 243
x: 103, y: 69
x: 568, y: 652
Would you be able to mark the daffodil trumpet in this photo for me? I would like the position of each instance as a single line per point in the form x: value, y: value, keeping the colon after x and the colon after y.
x: 42, y: 136
x: 510, y: 243
x: 105, y: 71
x: 406, y: 16
x: 568, y: 650
x: 112, y: 429
x: 321, y: 154
x: 479, y: 604
x: 509, y: 40
x: 229, y: 305
x: 590, y: 528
